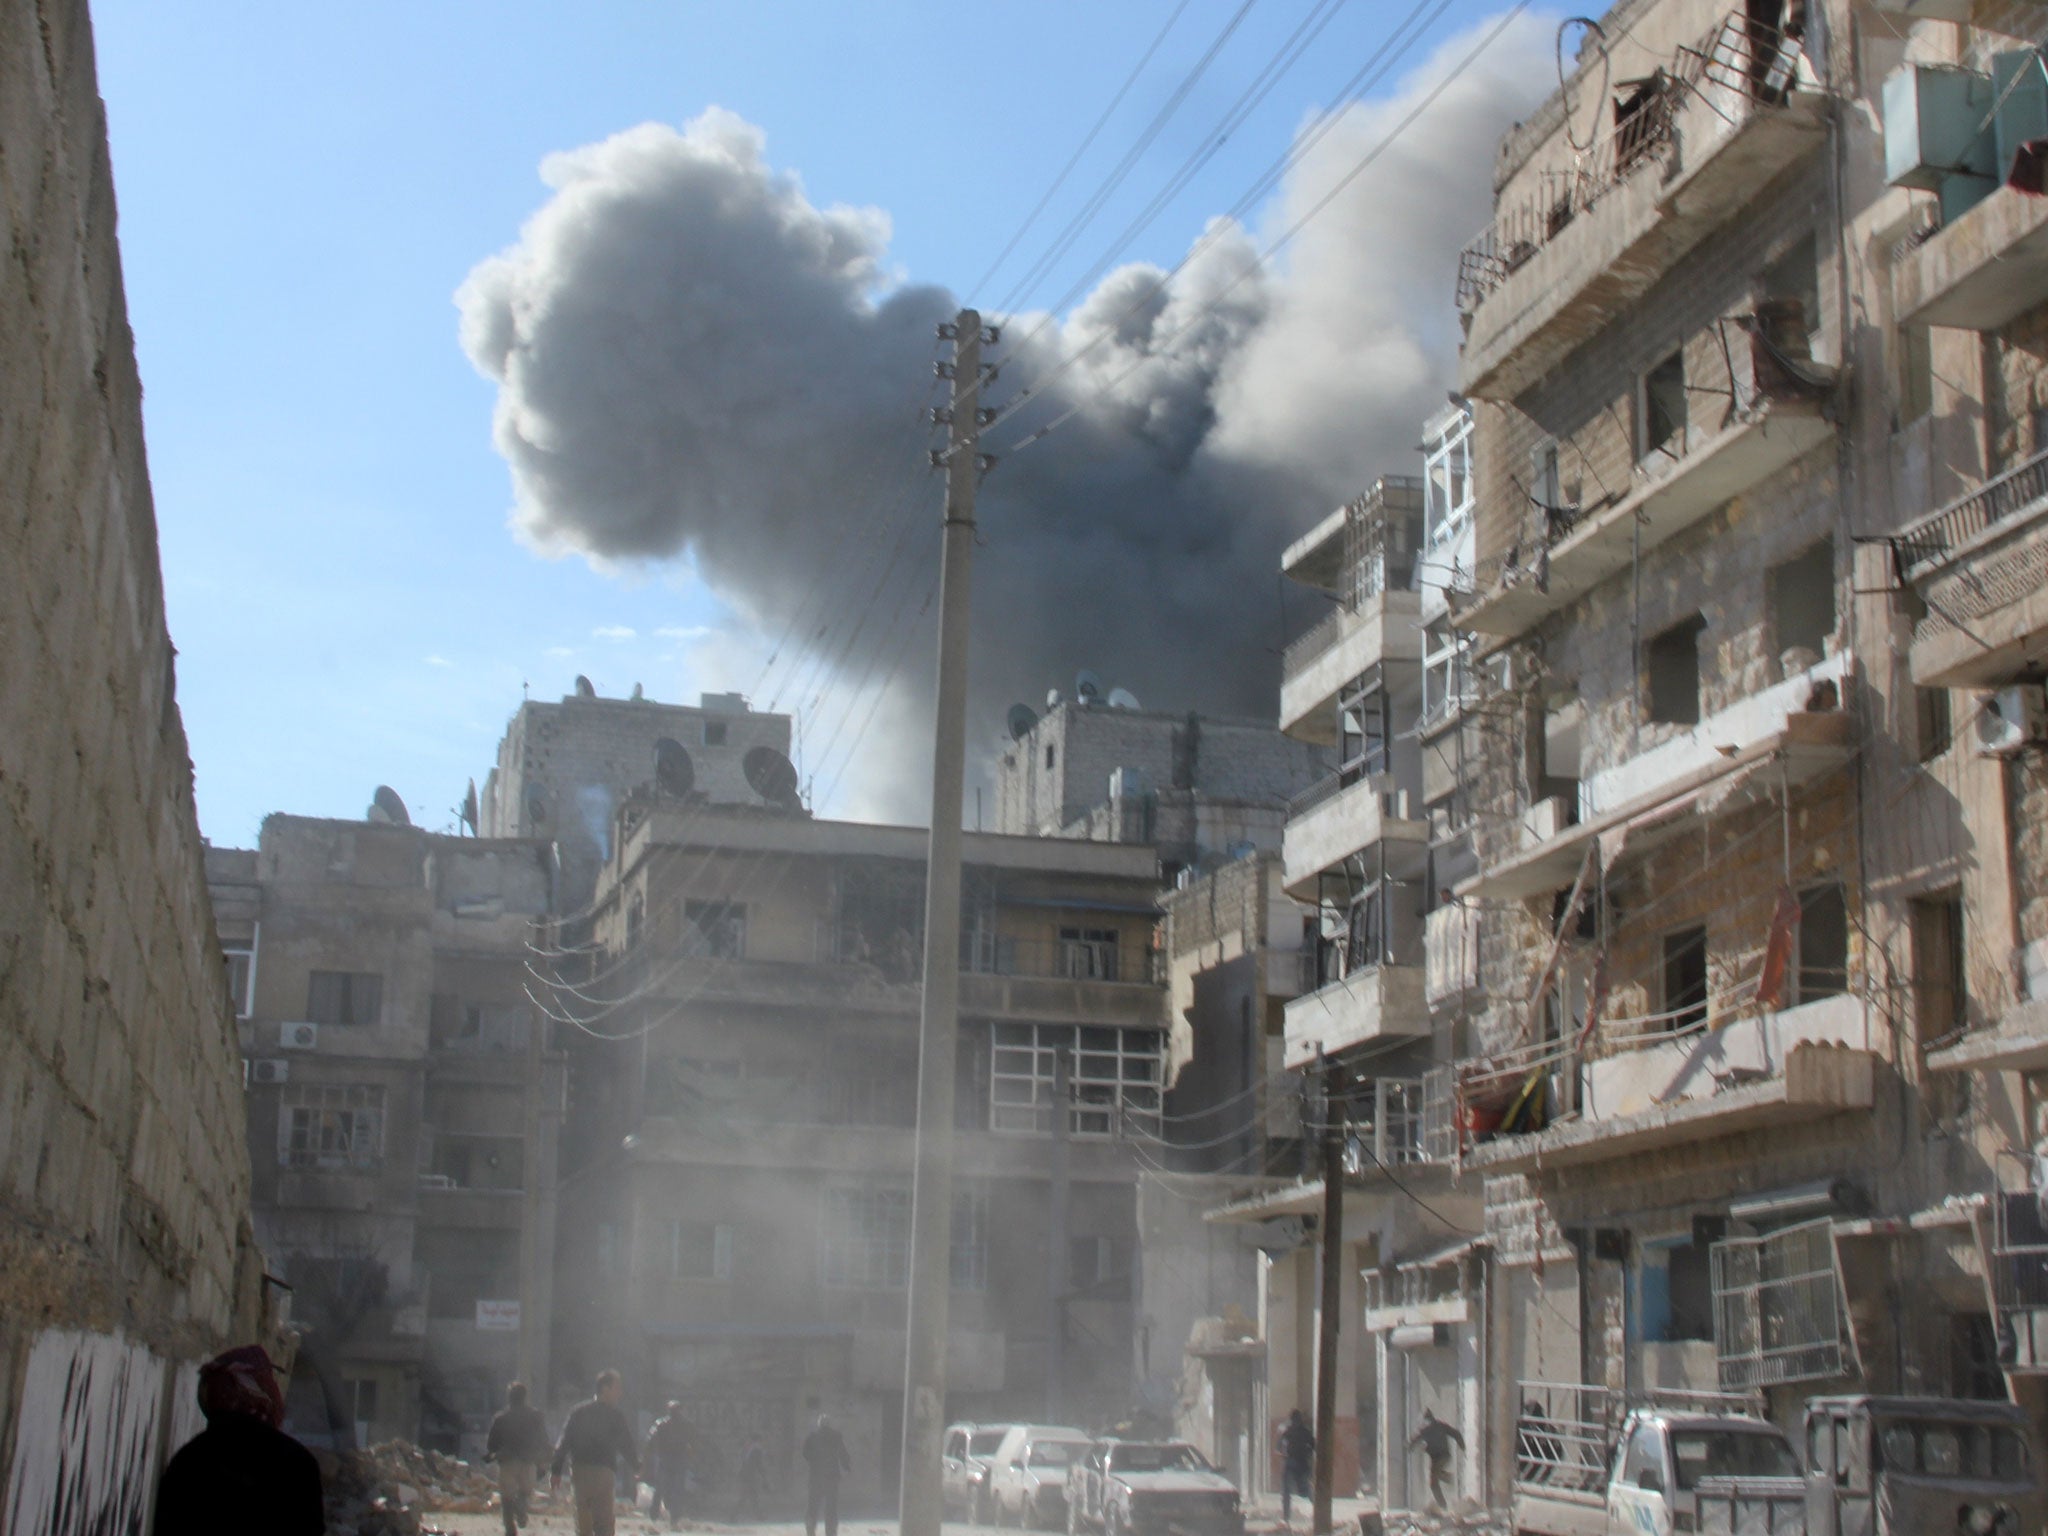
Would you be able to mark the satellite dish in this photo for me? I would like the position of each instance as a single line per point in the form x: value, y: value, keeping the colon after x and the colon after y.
x: 772, y: 776
x: 639, y: 695
x: 1052, y: 698
x: 385, y: 806
x: 584, y: 687
x: 1022, y: 718
x: 1123, y: 698
x: 674, y: 774
x: 1087, y: 688
x: 469, y: 811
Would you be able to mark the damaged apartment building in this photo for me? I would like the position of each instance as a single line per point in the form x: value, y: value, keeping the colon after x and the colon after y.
x: 742, y: 1003
x: 1211, y: 796
x: 1722, y: 844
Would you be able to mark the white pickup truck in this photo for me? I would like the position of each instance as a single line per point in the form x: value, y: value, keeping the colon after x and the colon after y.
x: 1669, y: 1472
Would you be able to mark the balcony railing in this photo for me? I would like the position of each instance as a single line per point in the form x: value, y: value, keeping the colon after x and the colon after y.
x: 989, y: 954
x: 1925, y: 545
x: 2019, y: 1265
x: 1742, y: 56
x: 1313, y: 641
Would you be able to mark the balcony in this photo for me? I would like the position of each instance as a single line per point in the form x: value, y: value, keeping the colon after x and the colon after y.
x: 1557, y: 265
x: 1335, y: 819
x: 1386, y: 627
x: 1755, y: 1072
x: 1743, y: 755
x: 1772, y: 432
x: 1377, y: 1005
x: 1986, y: 268
x: 2018, y: 1044
x: 1981, y: 562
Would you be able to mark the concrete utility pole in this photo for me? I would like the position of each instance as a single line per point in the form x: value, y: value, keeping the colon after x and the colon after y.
x: 1332, y: 1306
x: 931, y: 1204
x: 1056, y: 1276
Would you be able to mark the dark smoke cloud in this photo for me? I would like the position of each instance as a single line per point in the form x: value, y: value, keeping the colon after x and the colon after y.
x: 693, y: 360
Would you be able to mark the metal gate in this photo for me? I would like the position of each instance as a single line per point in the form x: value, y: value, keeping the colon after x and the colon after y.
x: 1779, y: 1310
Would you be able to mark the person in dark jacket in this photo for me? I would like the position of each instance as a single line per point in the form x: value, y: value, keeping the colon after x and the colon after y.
x: 241, y: 1475
x: 824, y: 1452
x: 1436, y: 1438
x: 667, y: 1454
x: 518, y: 1443
x: 1297, y: 1446
x: 595, y: 1438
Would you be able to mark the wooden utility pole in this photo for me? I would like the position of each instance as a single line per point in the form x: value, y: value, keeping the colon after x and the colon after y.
x: 1329, y: 1316
x: 931, y: 1204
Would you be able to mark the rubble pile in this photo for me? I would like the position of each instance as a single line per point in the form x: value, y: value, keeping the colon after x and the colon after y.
x: 385, y: 1490
x: 1466, y: 1520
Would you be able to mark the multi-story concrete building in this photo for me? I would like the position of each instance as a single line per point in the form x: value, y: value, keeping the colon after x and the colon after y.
x: 564, y: 769
x: 1741, y: 1028
x: 744, y: 1003
x: 402, y: 1109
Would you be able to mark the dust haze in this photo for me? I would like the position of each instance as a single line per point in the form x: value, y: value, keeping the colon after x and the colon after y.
x: 695, y: 362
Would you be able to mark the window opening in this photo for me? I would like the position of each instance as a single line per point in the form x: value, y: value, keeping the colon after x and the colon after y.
x: 1673, y: 658
x: 240, y: 962
x: 1802, y: 592
x: 1661, y: 409
x: 714, y: 733
x: 1778, y: 1308
x: 1113, y: 1078
x: 335, y: 1127
x: 700, y: 1250
x: 1685, y: 978
x: 344, y: 997
x: 715, y: 930
x: 1823, y: 942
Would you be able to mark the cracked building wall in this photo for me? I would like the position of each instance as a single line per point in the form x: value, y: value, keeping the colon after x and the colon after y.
x: 125, y: 1249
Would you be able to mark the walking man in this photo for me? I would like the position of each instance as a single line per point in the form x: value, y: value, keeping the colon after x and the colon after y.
x: 667, y: 1453
x: 594, y: 1440
x: 518, y: 1443
x: 1436, y: 1439
x: 825, y: 1458
x: 1297, y: 1445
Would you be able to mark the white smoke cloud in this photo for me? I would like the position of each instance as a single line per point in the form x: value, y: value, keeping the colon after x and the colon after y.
x: 696, y: 362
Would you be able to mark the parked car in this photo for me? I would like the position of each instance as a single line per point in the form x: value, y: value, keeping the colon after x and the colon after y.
x: 1893, y: 1465
x: 1150, y: 1488
x: 1028, y: 1483
x: 964, y: 1466
x: 1669, y: 1470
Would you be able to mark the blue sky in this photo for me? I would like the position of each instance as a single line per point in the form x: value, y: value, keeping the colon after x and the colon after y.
x: 302, y: 189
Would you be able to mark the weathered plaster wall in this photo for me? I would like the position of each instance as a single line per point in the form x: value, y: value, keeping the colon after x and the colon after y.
x: 124, y: 1234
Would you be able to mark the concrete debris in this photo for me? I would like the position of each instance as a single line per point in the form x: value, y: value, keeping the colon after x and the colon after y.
x: 1466, y: 1520
x: 387, y: 1489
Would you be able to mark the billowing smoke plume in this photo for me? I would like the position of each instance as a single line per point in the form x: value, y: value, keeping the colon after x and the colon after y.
x: 694, y: 360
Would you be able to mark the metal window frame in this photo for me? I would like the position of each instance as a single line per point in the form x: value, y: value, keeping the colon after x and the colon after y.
x: 1115, y: 1078
x: 1781, y: 1312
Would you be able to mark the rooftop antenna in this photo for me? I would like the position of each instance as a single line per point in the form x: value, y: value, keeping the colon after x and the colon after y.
x: 385, y: 806
x: 1022, y: 718
x: 468, y: 813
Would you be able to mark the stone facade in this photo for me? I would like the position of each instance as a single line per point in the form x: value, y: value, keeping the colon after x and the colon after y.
x: 402, y: 1113
x: 125, y: 1247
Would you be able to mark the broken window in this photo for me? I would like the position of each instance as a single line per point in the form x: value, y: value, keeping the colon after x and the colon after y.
x: 715, y: 930
x: 1685, y: 978
x: 1802, y: 594
x: 1443, y: 671
x: 344, y: 997
x: 1934, y: 727
x: 1791, y: 287
x: 330, y: 1126
x: 1673, y: 661
x: 1096, y: 1264
x: 1778, y: 1313
x: 714, y: 733
x: 1823, y: 942
x: 1660, y: 409
x: 1364, y: 728
x: 1112, y: 1085
x: 1088, y: 954
x: 480, y: 1162
x: 1562, y: 752
x: 699, y: 1250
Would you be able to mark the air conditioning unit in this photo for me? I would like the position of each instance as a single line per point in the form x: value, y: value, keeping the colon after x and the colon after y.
x: 298, y: 1037
x: 1927, y: 10
x: 1934, y: 126
x: 2011, y: 719
x: 269, y: 1071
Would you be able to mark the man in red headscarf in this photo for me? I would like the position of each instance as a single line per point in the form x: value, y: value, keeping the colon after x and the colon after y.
x: 241, y: 1475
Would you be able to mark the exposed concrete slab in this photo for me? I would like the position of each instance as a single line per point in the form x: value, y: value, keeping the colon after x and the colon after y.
x: 1353, y: 819
x: 1988, y: 267
x: 1388, y: 630
x: 1384, y: 1003
x: 2018, y: 1044
x: 1817, y: 1079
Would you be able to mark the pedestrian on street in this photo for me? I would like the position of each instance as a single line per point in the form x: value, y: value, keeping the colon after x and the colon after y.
x: 241, y: 1475
x: 753, y: 1477
x: 1297, y: 1446
x: 594, y: 1440
x: 1436, y: 1438
x: 518, y: 1443
x: 667, y: 1455
x: 825, y: 1457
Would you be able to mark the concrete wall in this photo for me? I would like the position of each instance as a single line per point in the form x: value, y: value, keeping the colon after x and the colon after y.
x: 124, y: 1232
